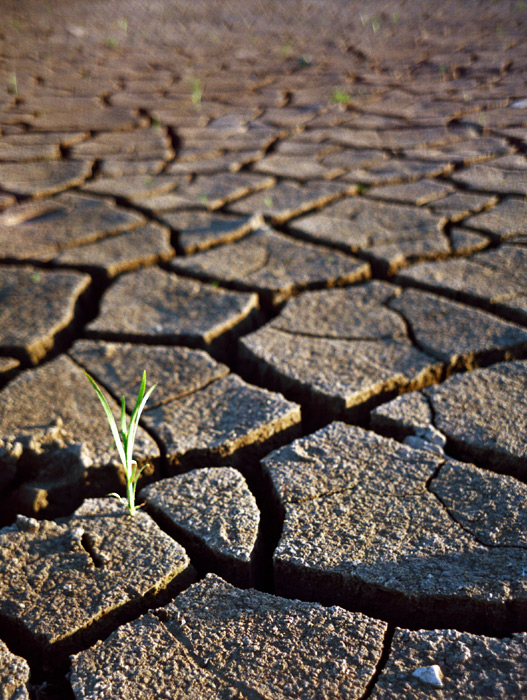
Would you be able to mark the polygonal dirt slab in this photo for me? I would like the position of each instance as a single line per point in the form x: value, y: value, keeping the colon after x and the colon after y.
x: 391, y: 235
x: 63, y: 584
x: 36, y: 306
x: 418, y: 193
x: 138, y: 144
x: 41, y: 230
x: 86, y: 117
x: 395, y: 170
x: 288, y: 199
x: 143, y: 659
x: 55, y: 443
x: 134, y: 186
x: 455, y: 665
x: 273, y: 265
x: 505, y: 220
x: 43, y: 177
x: 209, y: 191
x: 120, y: 253
x: 229, y: 421
x: 485, y: 177
x: 240, y: 644
x: 177, y: 372
x: 153, y: 304
x: 212, y: 513
x: 337, y: 349
x: 483, y: 414
x: 296, y: 167
x: 202, y: 414
x: 404, y: 534
x: 458, y: 335
x: 14, y: 674
x: 459, y: 205
x: 199, y: 230
x: 493, y: 279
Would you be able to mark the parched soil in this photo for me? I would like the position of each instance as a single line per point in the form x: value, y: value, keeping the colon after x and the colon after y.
x: 307, y: 223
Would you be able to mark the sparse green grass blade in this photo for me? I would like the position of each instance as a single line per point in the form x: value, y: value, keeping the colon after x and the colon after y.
x: 125, y: 441
x: 111, y: 420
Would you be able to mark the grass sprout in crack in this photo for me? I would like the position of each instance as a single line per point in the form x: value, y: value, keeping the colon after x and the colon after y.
x: 125, y: 438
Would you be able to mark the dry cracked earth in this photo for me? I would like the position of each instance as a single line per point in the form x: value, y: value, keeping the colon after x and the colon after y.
x: 308, y: 225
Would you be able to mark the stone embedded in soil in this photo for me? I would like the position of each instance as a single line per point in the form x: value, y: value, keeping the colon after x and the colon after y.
x: 337, y: 349
x: 391, y: 235
x: 216, y: 641
x: 14, y: 674
x: 506, y: 220
x: 199, y: 230
x: 227, y: 421
x: 483, y: 415
x: 471, y: 666
x: 287, y: 199
x: 487, y: 178
x: 374, y: 524
x: 65, y: 583
x: 157, y: 305
x: 37, y: 305
x: 493, y: 279
x: 55, y: 442
x: 41, y: 230
x: 121, y: 253
x: 212, y: 513
x: 40, y: 178
x: 273, y: 265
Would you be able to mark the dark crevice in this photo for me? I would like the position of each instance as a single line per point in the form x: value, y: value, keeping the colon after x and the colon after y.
x: 381, y: 664
x: 178, y: 634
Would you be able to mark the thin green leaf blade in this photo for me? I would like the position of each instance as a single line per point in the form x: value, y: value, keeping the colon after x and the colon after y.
x: 111, y: 420
x: 134, y: 421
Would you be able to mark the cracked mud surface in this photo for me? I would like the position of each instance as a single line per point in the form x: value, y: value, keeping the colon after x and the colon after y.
x: 310, y: 232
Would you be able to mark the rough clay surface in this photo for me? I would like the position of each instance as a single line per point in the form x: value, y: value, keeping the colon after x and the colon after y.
x: 482, y: 414
x: 469, y: 666
x: 372, y: 523
x: 14, y: 674
x: 213, y: 513
x: 62, y: 581
x: 274, y: 266
x: 342, y: 194
x: 57, y: 445
x: 36, y: 306
x: 155, y: 304
x: 250, y: 644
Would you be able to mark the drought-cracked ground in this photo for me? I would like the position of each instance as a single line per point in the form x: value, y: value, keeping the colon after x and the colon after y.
x: 308, y: 224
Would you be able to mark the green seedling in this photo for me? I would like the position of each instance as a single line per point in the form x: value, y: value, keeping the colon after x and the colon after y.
x: 340, y: 97
x: 12, y: 87
x: 196, y: 92
x: 125, y: 438
x: 111, y: 43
